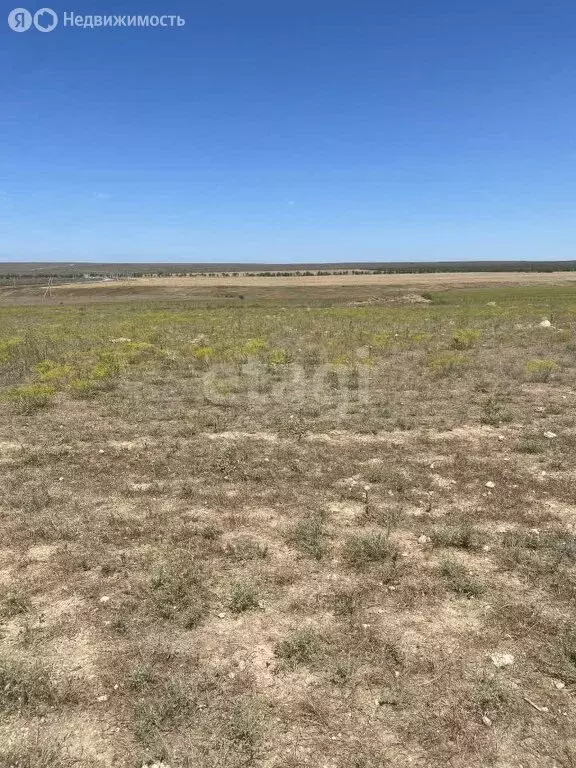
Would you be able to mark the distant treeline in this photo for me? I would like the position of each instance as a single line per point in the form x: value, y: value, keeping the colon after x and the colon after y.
x: 10, y: 272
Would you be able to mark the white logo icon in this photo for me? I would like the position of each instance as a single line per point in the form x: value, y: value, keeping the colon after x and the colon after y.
x: 20, y: 20
x: 45, y: 20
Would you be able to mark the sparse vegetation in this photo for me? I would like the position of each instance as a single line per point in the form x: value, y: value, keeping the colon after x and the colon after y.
x: 36, y: 753
x: 245, y: 729
x: 532, y: 445
x: 244, y: 597
x: 465, y: 339
x: 491, y: 697
x: 446, y: 363
x: 363, y: 550
x: 309, y: 536
x: 346, y: 602
x: 301, y: 647
x: 244, y: 548
x: 31, y: 397
x: 541, y: 370
x: 459, y: 580
x: 463, y: 536
x: 494, y: 412
x: 176, y: 592
x: 15, y: 603
x: 277, y: 531
x: 26, y: 686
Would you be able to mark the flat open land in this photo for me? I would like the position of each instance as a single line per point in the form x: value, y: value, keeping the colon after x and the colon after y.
x: 427, y: 280
x: 299, y: 289
x: 289, y: 522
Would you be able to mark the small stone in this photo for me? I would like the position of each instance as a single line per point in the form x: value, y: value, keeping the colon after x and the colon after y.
x: 101, y: 450
x: 102, y: 699
x: 490, y: 484
x: 545, y: 323
x: 502, y: 659
x: 501, y: 438
x: 559, y: 685
x: 156, y: 765
x: 550, y: 435
x: 487, y: 722
x: 424, y: 539
x: 140, y: 487
x: 221, y: 615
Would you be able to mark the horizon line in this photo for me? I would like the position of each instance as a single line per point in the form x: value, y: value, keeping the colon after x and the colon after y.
x: 302, y: 265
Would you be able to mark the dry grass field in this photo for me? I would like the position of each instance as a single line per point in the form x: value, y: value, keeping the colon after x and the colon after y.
x: 301, y: 289
x: 321, y: 526
x: 423, y: 280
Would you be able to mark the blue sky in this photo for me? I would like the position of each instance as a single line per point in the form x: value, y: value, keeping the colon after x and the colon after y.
x: 292, y: 131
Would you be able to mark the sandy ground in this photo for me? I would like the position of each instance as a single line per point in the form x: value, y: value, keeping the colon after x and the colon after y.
x: 255, y: 566
x: 433, y: 280
x: 332, y: 287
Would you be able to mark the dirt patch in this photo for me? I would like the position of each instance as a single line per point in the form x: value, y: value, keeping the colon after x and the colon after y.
x: 275, y: 581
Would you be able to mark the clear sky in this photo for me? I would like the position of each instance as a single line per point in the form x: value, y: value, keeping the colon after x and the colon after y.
x: 309, y: 130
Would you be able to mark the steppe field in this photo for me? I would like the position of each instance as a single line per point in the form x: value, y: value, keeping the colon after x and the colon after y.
x: 284, y: 523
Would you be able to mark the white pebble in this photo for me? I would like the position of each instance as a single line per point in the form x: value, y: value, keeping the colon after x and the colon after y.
x: 502, y: 659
